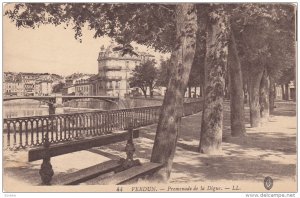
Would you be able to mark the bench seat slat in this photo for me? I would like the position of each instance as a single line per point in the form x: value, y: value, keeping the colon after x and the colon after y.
x: 78, y: 145
x: 126, y: 175
x: 86, y: 173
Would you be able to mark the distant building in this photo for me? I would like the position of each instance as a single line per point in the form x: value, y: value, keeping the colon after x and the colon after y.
x: 68, y: 90
x: 76, y: 84
x: 83, y: 87
x: 13, y: 85
x: 114, y: 70
x: 29, y: 84
x: 288, y: 90
x: 43, y: 87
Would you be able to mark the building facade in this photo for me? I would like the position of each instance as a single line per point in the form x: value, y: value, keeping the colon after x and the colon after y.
x: 13, y: 85
x: 43, y: 88
x: 83, y: 87
x: 29, y: 84
x: 114, y: 71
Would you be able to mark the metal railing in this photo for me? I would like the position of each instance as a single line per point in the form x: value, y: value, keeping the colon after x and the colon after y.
x: 25, y: 132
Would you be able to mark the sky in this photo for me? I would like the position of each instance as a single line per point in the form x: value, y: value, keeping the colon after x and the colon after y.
x: 52, y: 49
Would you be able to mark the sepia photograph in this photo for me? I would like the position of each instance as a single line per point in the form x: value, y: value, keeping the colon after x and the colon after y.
x: 149, y: 97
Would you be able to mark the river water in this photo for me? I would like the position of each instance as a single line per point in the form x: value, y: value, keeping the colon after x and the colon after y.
x: 24, y: 108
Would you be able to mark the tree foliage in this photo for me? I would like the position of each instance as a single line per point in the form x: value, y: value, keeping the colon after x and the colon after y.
x: 164, y: 72
x: 144, y: 76
x: 266, y: 36
x: 58, y: 87
x: 149, y: 24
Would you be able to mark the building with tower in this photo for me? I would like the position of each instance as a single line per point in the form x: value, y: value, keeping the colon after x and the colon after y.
x: 114, y: 71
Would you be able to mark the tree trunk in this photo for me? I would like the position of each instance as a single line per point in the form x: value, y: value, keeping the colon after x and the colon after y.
x: 151, y: 92
x: 215, y: 70
x: 172, y: 108
x: 282, y: 92
x: 190, y: 91
x: 245, y: 91
x: 195, y: 92
x: 144, y: 92
x: 226, y: 90
x: 272, y: 95
x: 287, y: 93
x: 264, y: 96
x: 237, y: 115
x: 201, y: 90
x: 253, y: 88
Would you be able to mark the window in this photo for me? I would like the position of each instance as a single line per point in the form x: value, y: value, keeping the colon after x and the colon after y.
x: 117, y: 85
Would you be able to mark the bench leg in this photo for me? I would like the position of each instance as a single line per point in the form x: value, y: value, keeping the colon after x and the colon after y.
x: 129, y: 149
x: 46, y: 171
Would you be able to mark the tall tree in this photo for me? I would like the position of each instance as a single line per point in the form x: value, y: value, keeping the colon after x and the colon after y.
x: 267, y: 23
x: 237, y: 115
x: 165, y: 27
x: 58, y: 87
x: 145, y: 76
x: 264, y: 91
x: 181, y: 61
x: 215, y: 69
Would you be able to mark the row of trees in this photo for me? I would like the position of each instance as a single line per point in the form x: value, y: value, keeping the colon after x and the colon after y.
x: 250, y: 46
x: 148, y: 76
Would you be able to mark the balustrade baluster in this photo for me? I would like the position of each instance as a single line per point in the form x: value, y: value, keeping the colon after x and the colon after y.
x: 93, y: 124
x: 147, y: 116
x: 90, y: 124
x: 31, y: 132
x: 95, y: 116
x: 86, y: 125
x: 65, y: 127
x: 56, y: 128
x: 60, y: 128
x: 80, y: 125
x: 106, y: 122
x: 96, y: 123
x: 113, y: 120
x: 119, y: 120
x: 76, y: 126
x: 152, y: 115
x: 26, y: 133
x: 42, y: 125
x: 141, y: 112
x: 51, y: 119
x: 109, y: 121
x: 101, y: 122
x: 37, y: 132
x: 123, y: 115
x: 15, y: 135
x: 8, y: 134
x: 20, y: 133
x: 143, y: 116
x: 69, y: 127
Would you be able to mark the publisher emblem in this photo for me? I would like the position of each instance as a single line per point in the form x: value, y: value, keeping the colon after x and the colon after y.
x: 268, y: 183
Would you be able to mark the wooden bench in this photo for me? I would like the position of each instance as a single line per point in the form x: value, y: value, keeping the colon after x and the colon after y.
x: 123, y: 170
x: 47, y: 151
x: 128, y: 175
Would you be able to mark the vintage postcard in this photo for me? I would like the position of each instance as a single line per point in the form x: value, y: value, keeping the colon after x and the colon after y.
x: 149, y: 97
